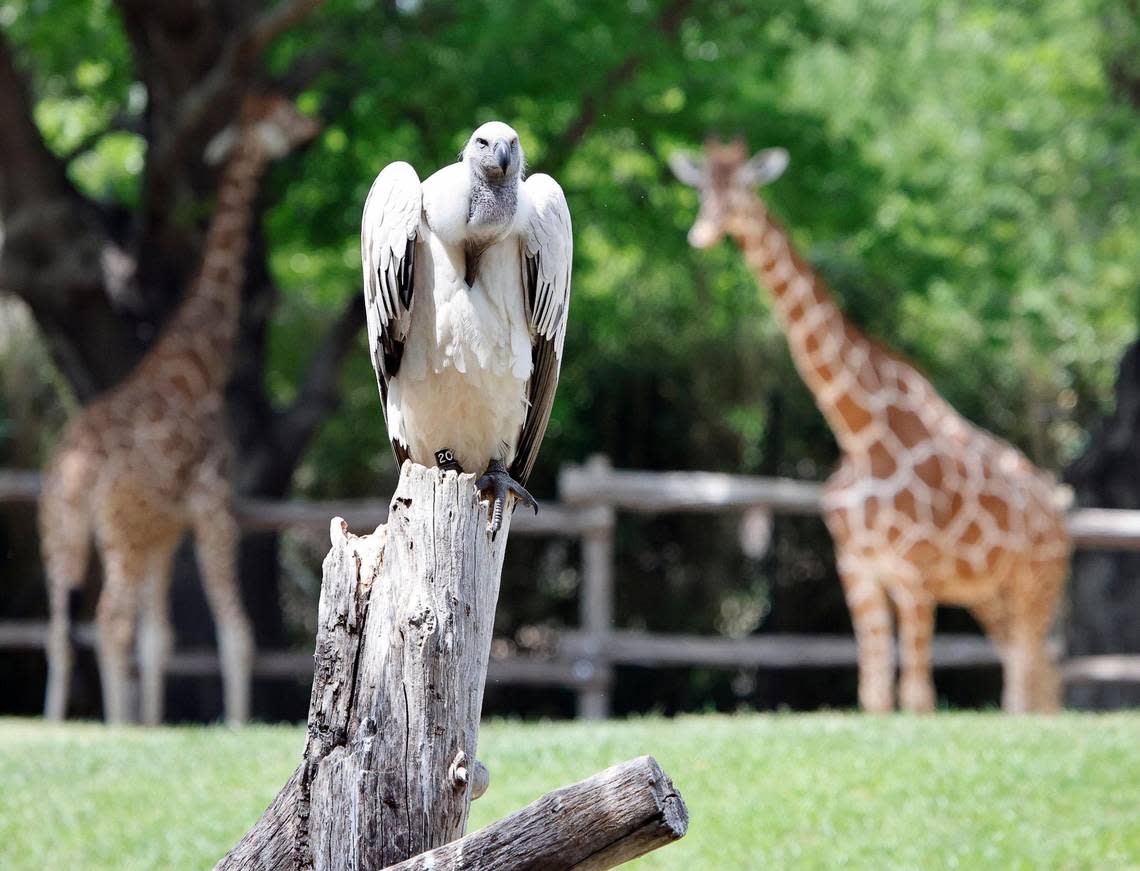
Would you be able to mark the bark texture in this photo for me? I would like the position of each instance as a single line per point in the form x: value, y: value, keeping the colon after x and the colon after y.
x: 615, y: 816
x: 389, y: 769
x: 403, y: 640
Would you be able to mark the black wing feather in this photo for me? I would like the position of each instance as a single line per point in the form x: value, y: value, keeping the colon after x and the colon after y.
x: 388, y: 249
x: 546, y: 250
x: 540, y: 400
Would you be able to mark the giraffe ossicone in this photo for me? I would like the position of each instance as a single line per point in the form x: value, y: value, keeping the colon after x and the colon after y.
x: 925, y: 507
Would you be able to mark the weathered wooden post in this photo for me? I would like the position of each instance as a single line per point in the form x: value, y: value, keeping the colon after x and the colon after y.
x: 596, y: 607
x: 389, y: 769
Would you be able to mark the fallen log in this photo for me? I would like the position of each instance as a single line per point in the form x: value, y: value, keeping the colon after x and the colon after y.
x: 613, y: 817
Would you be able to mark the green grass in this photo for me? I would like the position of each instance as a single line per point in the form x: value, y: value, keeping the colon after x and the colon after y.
x: 962, y: 791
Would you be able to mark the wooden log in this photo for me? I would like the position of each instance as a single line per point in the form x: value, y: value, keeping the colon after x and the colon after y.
x: 613, y: 817
x: 403, y: 639
x: 270, y: 843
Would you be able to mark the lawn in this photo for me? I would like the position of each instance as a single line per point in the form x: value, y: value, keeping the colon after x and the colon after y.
x: 821, y: 791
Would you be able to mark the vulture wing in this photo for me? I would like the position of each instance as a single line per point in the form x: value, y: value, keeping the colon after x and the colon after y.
x: 547, y: 249
x: 388, y: 250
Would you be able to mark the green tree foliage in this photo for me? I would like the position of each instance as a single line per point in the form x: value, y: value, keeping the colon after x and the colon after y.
x: 966, y: 174
x: 963, y: 172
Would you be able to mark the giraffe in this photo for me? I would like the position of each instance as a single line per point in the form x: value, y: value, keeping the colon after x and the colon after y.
x: 151, y: 459
x: 924, y: 507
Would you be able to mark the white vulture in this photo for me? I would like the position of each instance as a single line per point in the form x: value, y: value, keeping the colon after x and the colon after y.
x: 467, y: 288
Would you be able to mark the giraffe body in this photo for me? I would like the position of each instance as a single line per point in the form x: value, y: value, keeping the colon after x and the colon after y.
x: 925, y: 507
x: 152, y: 459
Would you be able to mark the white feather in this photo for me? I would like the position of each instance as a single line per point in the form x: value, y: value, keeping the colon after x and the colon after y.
x: 544, y: 224
x: 467, y: 355
x: 447, y: 193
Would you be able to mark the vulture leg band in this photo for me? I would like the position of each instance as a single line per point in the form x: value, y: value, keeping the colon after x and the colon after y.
x: 445, y: 459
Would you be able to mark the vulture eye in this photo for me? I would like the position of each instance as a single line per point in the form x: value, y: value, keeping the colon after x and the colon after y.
x: 482, y: 143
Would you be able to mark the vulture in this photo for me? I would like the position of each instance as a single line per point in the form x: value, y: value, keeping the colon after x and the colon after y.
x: 467, y: 289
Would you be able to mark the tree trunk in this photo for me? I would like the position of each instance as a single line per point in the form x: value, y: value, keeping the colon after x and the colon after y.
x: 403, y: 639
x: 1104, y: 595
x: 102, y: 278
x: 389, y: 769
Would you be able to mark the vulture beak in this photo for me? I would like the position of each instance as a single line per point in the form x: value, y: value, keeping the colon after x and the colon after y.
x: 503, y: 154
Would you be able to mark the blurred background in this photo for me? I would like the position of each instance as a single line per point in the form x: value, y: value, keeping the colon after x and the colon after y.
x: 966, y: 175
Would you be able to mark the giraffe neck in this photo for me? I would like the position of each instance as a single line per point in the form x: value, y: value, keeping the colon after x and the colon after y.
x: 205, y: 325
x: 831, y: 355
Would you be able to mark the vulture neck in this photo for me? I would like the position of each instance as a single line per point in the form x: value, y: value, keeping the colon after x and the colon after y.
x: 492, y: 207
x: 832, y: 356
x: 489, y: 218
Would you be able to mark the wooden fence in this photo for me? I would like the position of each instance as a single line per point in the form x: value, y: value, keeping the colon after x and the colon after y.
x: 584, y: 659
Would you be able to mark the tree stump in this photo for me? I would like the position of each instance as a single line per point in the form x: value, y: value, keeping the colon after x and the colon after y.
x: 403, y: 638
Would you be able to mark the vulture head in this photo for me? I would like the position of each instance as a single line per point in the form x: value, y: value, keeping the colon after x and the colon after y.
x: 725, y: 177
x: 493, y: 153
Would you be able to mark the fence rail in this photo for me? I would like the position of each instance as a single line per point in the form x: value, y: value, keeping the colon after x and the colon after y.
x: 281, y: 664
x: 583, y: 659
x: 714, y: 492
x: 260, y: 515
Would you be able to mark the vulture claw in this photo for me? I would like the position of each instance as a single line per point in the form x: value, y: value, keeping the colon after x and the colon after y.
x: 497, y: 486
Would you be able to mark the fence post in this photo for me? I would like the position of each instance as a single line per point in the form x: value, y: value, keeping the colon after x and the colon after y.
x: 596, y: 605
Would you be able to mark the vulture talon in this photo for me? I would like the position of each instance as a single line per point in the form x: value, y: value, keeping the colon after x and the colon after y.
x: 497, y: 485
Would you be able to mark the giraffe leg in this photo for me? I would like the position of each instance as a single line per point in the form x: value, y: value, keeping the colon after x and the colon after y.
x: 65, y: 537
x: 60, y: 655
x: 915, y: 610
x: 1045, y: 684
x: 115, y: 624
x: 871, y: 617
x: 1032, y: 682
x: 1017, y: 686
x: 1029, y: 678
x: 155, y: 635
x: 994, y: 617
x: 216, y: 541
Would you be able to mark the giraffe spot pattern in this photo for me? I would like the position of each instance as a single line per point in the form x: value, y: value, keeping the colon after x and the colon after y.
x: 924, y: 506
x: 149, y: 460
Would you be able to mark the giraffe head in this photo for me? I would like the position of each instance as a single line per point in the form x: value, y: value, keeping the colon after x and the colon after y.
x: 725, y: 176
x: 269, y: 123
